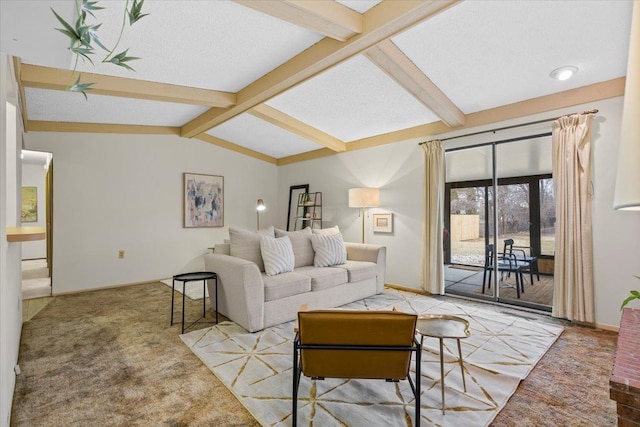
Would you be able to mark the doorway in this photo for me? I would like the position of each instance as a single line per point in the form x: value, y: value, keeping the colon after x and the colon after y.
x: 37, y: 176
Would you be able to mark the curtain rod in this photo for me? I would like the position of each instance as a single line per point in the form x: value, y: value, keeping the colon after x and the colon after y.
x: 595, y: 111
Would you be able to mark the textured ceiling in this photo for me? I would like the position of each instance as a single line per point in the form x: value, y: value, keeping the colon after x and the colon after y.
x: 485, y: 54
x: 44, y: 105
x: 478, y: 54
x: 353, y: 100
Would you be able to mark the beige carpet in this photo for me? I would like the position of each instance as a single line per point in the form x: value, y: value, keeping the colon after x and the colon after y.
x: 501, y: 351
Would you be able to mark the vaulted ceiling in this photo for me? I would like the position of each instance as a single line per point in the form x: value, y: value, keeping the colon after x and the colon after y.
x: 285, y: 81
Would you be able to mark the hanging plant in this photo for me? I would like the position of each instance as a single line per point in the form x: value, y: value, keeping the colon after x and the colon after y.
x: 83, y: 37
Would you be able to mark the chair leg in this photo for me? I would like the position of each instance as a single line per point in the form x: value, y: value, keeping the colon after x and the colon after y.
x: 417, y: 385
x: 442, y: 373
x: 535, y: 263
x: 296, y: 383
x: 518, y: 284
x: 484, y: 279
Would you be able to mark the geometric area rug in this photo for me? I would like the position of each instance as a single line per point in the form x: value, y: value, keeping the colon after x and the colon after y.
x: 499, y: 354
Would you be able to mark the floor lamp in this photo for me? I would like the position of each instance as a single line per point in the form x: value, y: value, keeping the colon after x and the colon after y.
x: 364, y: 198
x: 259, y: 207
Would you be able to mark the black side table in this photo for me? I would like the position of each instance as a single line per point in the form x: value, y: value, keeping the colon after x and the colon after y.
x: 192, y: 277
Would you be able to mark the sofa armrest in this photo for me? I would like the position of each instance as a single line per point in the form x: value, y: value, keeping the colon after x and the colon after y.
x: 370, y: 253
x: 240, y: 290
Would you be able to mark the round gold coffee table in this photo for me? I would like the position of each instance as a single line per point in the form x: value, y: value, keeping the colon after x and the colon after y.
x: 444, y: 326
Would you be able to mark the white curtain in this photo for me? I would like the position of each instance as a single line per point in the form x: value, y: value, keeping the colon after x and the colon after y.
x: 432, y: 256
x: 573, y: 272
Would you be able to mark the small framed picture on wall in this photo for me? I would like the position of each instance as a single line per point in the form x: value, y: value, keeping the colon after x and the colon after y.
x: 383, y: 222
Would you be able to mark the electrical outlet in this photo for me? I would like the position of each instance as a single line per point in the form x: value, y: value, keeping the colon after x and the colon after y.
x: 121, y: 253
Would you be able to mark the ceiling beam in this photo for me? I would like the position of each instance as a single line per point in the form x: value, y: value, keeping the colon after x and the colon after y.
x: 329, y: 18
x: 390, y: 59
x: 381, y: 22
x: 237, y: 148
x: 17, y: 67
x: 284, y: 121
x: 57, y: 79
x: 45, y: 126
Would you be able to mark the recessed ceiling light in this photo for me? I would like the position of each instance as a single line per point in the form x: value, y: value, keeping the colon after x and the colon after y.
x: 564, y: 73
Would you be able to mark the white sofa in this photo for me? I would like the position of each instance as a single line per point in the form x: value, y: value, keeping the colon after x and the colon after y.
x: 255, y: 300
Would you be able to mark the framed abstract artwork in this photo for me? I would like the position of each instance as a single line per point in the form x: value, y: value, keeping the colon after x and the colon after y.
x: 383, y: 222
x: 29, y: 211
x: 203, y: 204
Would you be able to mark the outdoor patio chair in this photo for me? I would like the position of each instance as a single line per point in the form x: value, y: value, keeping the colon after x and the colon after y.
x: 524, y: 257
x: 356, y: 344
x: 506, y: 264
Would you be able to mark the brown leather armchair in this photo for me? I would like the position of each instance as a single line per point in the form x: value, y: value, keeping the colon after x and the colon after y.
x: 356, y: 344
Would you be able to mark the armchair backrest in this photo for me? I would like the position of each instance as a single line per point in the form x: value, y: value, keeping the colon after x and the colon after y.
x: 351, y: 344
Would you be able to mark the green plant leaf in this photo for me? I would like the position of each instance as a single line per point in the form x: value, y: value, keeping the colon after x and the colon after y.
x: 83, y: 51
x: 632, y: 296
x: 89, y: 6
x: 135, y: 14
x: 80, y: 87
x: 96, y: 39
x: 69, y: 31
x: 121, y: 59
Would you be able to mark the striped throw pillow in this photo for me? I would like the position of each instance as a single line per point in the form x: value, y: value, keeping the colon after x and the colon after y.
x: 329, y: 249
x: 277, y: 254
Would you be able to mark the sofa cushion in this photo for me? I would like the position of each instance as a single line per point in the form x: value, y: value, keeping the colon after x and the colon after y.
x: 245, y: 244
x: 222, y: 249
x: 330, y: 230
x: 329, y: 250
x: 284, y: 285
x: 324, y: 277
x: 359, y: 270
x: 301, y: 242
x: 277, y: 254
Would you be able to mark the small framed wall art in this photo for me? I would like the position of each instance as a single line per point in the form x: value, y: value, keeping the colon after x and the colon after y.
x: 29, y: 204
x: 382, y: 222
x: 203, y: 201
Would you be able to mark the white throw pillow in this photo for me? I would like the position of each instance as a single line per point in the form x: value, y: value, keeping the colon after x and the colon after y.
x: 329, y: 250
x: 277, y: 254
x: 301, y: 242
x: 330, y: 230
x: 245, y: 244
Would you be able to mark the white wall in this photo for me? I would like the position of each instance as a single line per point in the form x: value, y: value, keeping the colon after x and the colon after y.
x: 34, y: 176
x: 10, y: 253
x: 115, y: 192
x: 398, y: 170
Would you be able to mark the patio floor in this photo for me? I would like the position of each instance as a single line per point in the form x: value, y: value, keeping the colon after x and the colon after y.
x: 468, y: 280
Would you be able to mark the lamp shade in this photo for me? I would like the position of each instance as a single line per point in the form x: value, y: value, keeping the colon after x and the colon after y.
x: 627, y: 193
x: 364, y: 197
x: 260, y: 206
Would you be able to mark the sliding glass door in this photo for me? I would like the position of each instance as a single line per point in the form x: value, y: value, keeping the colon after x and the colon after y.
x: 502, y: 189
